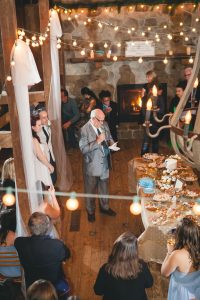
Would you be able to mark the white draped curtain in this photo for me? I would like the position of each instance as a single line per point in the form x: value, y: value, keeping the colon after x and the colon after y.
x: 63, y: 166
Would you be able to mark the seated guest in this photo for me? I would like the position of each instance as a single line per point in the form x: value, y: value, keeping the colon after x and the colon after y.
x: 109, y: 108
x: 69, y: 115
x: 90, y: 101
x: 124, y: 276
x: 41, y: 290
x: 182, y: 262
x: 40, y: 255
x: 7, y: 238
x: 45, y: 139
x: 43, y: 168
x: 175, y: 101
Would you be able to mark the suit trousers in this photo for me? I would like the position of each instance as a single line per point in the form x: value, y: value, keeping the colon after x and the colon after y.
x: 92, y: 185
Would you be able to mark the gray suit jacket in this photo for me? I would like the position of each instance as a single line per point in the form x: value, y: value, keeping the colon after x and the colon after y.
x: 95, y: 163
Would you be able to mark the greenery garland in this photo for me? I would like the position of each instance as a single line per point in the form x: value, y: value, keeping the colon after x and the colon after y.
x: 119, y: 3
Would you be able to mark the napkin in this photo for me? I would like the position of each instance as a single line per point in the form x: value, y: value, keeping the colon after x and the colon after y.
x: 114, y: 147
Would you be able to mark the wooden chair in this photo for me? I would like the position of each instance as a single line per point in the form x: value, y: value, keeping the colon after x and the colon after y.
x: 10, y: 259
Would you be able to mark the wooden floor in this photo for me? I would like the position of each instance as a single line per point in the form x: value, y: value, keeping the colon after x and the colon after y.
x: 92, y: 244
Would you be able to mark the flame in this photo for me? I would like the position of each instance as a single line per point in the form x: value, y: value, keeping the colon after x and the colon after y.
x: 149, y: 104
x: 154, y: 91
x: 140, y: 102
x: 188, y: 117
x: 196, y: 83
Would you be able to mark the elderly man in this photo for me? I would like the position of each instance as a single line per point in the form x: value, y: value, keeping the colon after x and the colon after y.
x: 40, y: 255
x: 94, y: 141
x: 45, y: 138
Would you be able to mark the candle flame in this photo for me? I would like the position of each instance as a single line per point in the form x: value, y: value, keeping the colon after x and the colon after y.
x: 188, y: 117
x: 154, y: 91
x: 140, y: 102
x: 149, y: 104
x: 196, y: 83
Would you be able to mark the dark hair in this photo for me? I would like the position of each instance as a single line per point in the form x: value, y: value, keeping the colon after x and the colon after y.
x: 39, y: 223
x: 34, y: 120
x: 7, y: 223
x: 104, y: 94
x: 41, y: 290
x: 86, y: 91
x: 160, y: 86
x: 123, y: 261
x: 65, y: 92
x: 181, y: 85
x: 188, y: 237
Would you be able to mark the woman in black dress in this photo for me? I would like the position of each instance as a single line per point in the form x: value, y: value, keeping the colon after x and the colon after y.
x: 124, y: 276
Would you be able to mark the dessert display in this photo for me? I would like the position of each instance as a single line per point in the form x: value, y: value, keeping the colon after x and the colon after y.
x: 150, y: 156
x: 163, y: 197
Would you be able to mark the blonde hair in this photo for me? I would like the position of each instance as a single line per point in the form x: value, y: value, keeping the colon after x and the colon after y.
x: 41, y: 290
x: 8, y: 170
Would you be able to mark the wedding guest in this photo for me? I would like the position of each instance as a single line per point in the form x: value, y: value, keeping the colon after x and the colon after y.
x: 40, y: 255
x: 70, y: 115
x: 41, y: 290
x: 175, y: 101
x: 45, y: 139
x: 43, y: 168
x: 89, y: 102
x: 109, y: 108
x: 182, y: 262
x: 124, y: 276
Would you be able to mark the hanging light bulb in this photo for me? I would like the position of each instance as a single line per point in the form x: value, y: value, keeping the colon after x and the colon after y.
x: 133, y: 28
x: 186, y: 39
x: 69, y: 18
x: 169, y: 36
x: 156, y: 36
x: 158, y: 39
x: 58, y: 46
x: 191, y: 60
x: 157, y: 7
x: 140, y: 60
x: 193, y: 29
x: 91, y: 45
x: 83, y: 52
x: 33, y: 38
x: 171, y: 52
x: 119, y: 45
x: 8, y: 78
x: 197, y: 19
x: 33, y: 44
x: 116, y: 28
x: 28, y: 42
x: 12, y: 63
x: 100, y: 25
x: 165, y: 26
x: 149, y: 28
x: 129, y: 31
x: 196, y: 207
x: 41, y: 43
x: 181, y: 23
x: 65, y: 11
x: 49, y: 24
x: 143, y: 33
x: 72, y: 203
x: 74, y: 43
x: 105, y: 45
x: 136, y: 207
x: 76, y: 16
x: 85, y: 23
x: 46, y: 35
x: 108, y: 55
x: 181, y: 33
x: 188, y: 50
x: 165, y: 61
x: 115, y: 58
x: 106, y: 10
x: 89, y: 20
x: 8, y: 199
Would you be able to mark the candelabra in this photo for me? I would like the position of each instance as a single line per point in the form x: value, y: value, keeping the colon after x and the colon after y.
x: 185, y: 142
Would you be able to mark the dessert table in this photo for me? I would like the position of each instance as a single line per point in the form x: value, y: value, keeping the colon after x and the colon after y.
x: 160, y: 216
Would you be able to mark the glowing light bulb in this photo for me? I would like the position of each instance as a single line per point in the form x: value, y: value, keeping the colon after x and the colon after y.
x: 158, y: 39
x: 116, y: 28
x: 33, y: 44
x: 118, y: 45
x: 108, y: 55
x: 188, y: 50
x: 19, y: 32
x: 76, y: 16
x: 91, y: 45
x: 157, y: 7
x: 149, y: 28
x: 165, y: 26
x: 69, y: 18
x: 133, y: 28
x: 33, y: 38
x: 8, y: 199
x: 186, y: 39
x: 140, y: 60
x: 169, y: 7
x: 85, y: 23
x: 58, y: 46
x: 197, y: 19
x: 143, y: 33
x: 28, y: 42
x: 181, y: 33
x: 169, y: 36
x: 193, y: 29
x: 23, y: 33
x: 146, y: 42
x: 171, y: 52
x: 9, y: 78
x: 136, y: 207
x: 49, y: 24
x: 105, y: 45
x: 100, y: 25
x: 129, y: 31
x: 46, y: 35
x: 115, y: 58
x: 82, y: 11
x: 149, y: 104
x: 89, y: 20
x: 41, y: 38
x: 12, y: 63
x: 72, y: 203
x: 41, y: 43
x: 106, y: 10
x: 181, y: 23
x: 83, y: 52
x: 74, y: 43
x: 154, y: 91
x: 65, y: 11
x: 165, y: 61
x: 196, y: 207
x: 191, y: 60
x: 156, y: 36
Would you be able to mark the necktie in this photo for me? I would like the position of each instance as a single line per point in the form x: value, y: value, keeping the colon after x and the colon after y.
x: 104, y: 144
x: 105, y: 149
x: 46, y: 134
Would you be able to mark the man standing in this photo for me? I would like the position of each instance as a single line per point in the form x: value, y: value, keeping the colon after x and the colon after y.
x: 94, y: 142
x: 109, y: 108
x: 45, y: 138
x: 70, y: 115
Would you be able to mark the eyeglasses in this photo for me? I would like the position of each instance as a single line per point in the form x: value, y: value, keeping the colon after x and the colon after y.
x: 99, y: 120
x: 186, y: 75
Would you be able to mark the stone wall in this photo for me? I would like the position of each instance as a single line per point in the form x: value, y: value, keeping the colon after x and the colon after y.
x: 108, y: 74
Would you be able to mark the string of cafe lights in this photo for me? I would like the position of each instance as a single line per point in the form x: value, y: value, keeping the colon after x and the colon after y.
x: 72, y: 202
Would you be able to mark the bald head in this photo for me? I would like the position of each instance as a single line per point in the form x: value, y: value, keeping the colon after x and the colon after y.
x: 187, y: 73
x: 97, y: 117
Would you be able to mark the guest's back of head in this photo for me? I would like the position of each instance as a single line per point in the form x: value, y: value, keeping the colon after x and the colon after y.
x: 39, y: 224
x: 7, y: 223
x: 41, y: 290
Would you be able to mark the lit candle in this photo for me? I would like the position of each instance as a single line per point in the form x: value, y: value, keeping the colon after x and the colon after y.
x: 139, y: 102
x: 148, y: 110
x: 188, y: 118
x: 155, y: 94
x: 196, y: 83
x: 193, y: 95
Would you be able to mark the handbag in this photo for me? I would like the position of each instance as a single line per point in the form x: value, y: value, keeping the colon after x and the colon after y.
x: 62, y: 287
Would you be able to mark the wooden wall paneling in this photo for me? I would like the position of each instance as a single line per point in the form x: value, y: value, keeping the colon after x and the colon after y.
x: 8, y: 32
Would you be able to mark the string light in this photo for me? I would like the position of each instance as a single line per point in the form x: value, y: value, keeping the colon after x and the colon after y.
x: 129, y: 31
x: 8, y: 78
x: 105, y: 45
x: 149, y: 28
x: 74, y: 43
x: 91, y: 45
x: 115, y: 58
x: 186, y: 39
x: 116, y: 28
x: 140, y: 60
x: 89, y: 20
x: 72, y: 203
x: 100, y: 25
x: 83, y: 52
x: 133, y: 28
x: 136, y: 207
x: 118, y: 45
x: 171, y: 52
x: 193, y: 29
x: 197, y: 20
x: 181, y: 24
x: 196, y: 207
x: 191, y: 60
x: 165, y: 26
x: 181, y: 33
x: 165, y: 61
x: 12, y: 63
x: 169, y: 36
x: 8, y: 199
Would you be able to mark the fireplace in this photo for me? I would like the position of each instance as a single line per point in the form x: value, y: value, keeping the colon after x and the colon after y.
x: 129, y: 101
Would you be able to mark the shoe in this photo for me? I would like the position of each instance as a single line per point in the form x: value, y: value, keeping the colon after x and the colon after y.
x: 108, y: 212
x: 91, y: 218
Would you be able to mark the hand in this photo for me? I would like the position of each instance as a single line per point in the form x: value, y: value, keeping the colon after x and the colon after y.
x: 107, y: 109
x: 51, y: 169
x: 101, y: 138
x: 170, y: 246
x: 51, y: 190
x: 67, y: 125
